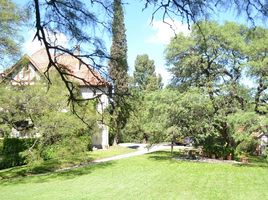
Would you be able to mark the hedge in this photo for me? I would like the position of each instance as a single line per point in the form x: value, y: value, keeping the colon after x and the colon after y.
x: 12, y: 147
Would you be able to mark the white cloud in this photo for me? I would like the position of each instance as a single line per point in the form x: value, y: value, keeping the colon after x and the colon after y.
x: 165, y: 74
x: 31, y: 46
x: 164, y: 31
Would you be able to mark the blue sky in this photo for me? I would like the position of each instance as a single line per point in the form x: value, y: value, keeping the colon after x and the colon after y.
x: 143, y: 36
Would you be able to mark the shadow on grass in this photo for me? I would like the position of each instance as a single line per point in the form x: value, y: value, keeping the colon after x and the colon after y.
x: 255, y: 161
x: 164, y: 155
x: 43, y: 173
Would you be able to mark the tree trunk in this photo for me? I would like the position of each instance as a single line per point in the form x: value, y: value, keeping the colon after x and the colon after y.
x: 115, y: 141
x: 172, y: 144
x: 260, y: 89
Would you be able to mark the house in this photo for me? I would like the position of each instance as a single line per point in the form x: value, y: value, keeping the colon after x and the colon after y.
x: 29, y: 69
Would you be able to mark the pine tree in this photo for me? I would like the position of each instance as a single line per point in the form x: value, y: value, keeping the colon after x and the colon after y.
x: 10, y: 20
x: 145, y: 77
x: 118, y: 72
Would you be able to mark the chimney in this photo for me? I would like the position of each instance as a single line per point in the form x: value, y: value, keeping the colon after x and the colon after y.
x: 77, y: 50
x: 77, y: 53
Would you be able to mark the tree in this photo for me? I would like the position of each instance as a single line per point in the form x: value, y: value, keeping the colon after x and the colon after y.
x: 145, y: 81
x: 211, y: 57
x: 214, y: 60
x: 145, y: 77
x: 10, y: 19
x: 198, y: 10
x: 44, y: 115
x: 118, y: 72
x: 74, y: 17
x: 149, y: 118
x: 78, y: 21
x: 258, y: 66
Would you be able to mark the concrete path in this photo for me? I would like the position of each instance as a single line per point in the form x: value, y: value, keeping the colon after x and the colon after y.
x: 142, y: 149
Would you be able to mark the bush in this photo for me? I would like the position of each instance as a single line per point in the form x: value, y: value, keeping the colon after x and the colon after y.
x: 67, y: 148
x: 265, y: 153
x: 11, y: 152
x: 249, y: 146
x: 1, y: 146
x: 213, y: 145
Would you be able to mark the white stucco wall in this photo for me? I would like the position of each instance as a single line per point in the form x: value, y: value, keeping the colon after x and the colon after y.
x: 26, y: 75
x: 264, y: 140
x: 100, y: 139
x: 88, y: 92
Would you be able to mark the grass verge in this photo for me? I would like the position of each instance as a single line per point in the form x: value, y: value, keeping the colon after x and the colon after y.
x: 152, y: 176
x: 64, y: 162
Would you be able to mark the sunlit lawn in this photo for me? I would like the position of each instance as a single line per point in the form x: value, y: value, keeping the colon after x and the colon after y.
x: 63, y: 162
x: 112, y: 151
x: 152, y: 176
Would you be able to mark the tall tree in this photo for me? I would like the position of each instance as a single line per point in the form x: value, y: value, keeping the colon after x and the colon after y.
x: 10, y: 19
x: 118, y: 72
x: 145, y: 81
x: 211, y: 57
x: 77, y: 20
x: 258, y: 66
x: 72, y: 18
x: 197, y: 10
x: 145, y: 77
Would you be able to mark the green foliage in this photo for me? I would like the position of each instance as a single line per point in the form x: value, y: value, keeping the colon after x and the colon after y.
x: 243, y: 124
x: 118, y: 72
x: 215, y: 58
x: 257, y: 54
x: 265, y: 153
x: 12, y: 149
x: 1, y: 146
x: 208, y: 102
x: 247, y: 146
x: 193, y: 113
x: 49, y: 118
x: 145, y: 77
x: 11, y: 18
x: 204, y: 58
x: 145, y: 83
x: 217, y: 146
x: 67, y: 148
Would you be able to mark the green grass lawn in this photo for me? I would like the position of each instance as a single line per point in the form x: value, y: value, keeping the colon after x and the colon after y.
x: 112, y: 151
x: 152, y: 176
x: 63, y: 162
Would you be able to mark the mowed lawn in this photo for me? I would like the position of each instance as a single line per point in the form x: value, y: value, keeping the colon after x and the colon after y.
x: 152, y: 176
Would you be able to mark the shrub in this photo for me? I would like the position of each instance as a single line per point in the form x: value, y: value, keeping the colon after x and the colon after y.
x: 12, y: 149
x: 67, y: 148
x: 1, y: 146
x: 265, y: 153
x: 249, y: 145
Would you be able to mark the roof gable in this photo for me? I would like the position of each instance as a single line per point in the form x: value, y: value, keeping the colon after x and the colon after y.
x: 24, y: 61
x: 82, y: 74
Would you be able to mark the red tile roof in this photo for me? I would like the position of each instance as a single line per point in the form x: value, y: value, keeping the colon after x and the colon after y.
x: 80, y: 73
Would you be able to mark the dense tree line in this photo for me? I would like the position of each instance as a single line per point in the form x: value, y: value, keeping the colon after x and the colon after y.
x: 218, y: 93
x: 207, y: 99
